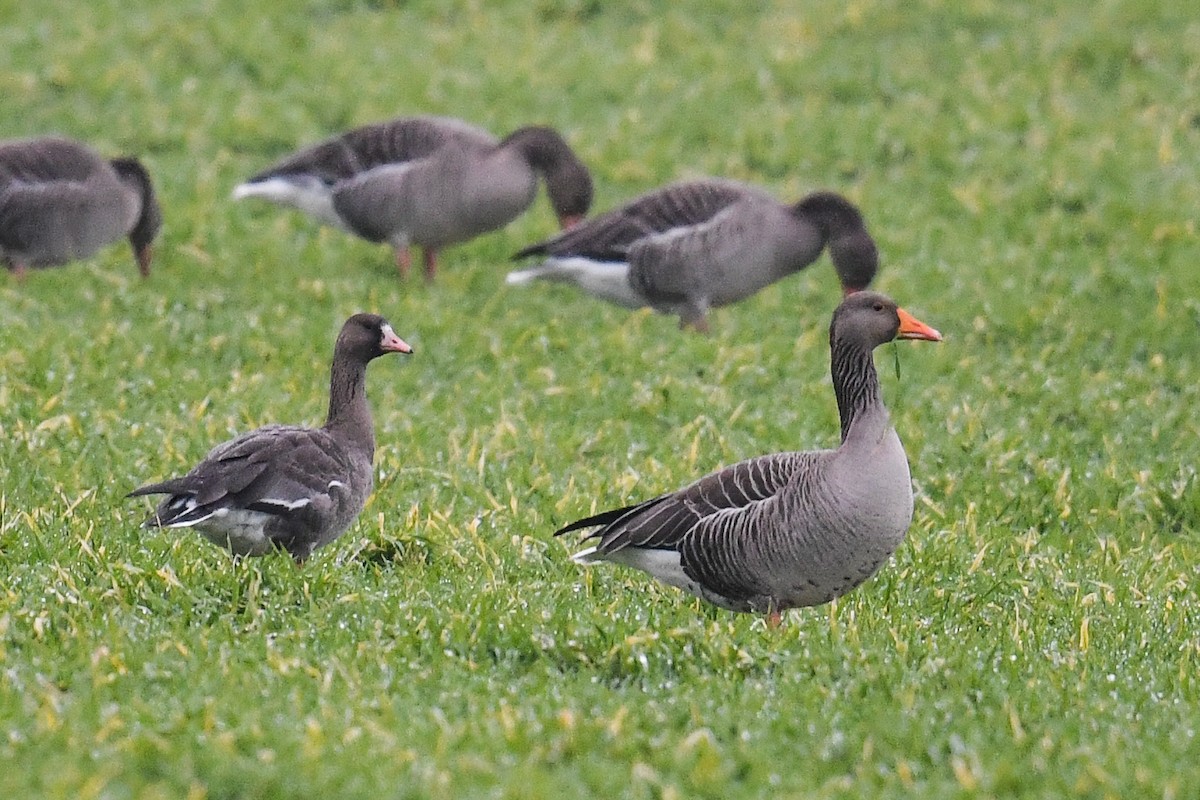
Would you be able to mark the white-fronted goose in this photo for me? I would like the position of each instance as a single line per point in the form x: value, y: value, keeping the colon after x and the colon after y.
x: 428, y: 181
x: 283, y: 486
x: 61, y: 202
x: 789, y: 529
x: 701, y: 244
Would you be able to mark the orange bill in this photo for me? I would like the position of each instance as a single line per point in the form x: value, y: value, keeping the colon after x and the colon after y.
x: 913, y: 328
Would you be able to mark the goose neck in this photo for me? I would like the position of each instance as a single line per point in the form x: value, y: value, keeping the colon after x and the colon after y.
x: 856, y: 384
x: 348, y: 409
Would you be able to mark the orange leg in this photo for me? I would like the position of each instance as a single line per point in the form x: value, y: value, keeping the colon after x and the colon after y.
x: 430, y: 263
x: 403, y: 261
x: 774, y: 619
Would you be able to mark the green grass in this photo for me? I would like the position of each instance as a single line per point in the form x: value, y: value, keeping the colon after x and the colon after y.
x: 1032, y: 180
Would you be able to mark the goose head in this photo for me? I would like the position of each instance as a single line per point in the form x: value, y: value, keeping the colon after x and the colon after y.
x: 149, y: 220
x: 867, y: 319
x: 367, y: 336
x: 851, y: 248
x: 568, y: 181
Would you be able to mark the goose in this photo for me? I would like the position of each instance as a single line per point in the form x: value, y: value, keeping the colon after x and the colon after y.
x: 701, y: 244
x: 283, y: 486
x: 790, y: 529
x: 428, y: 181
x: 60, y: 201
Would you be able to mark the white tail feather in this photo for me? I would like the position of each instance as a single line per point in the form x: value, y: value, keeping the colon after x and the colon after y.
x: 608, y: 280
x: 587, y: 556
x: 308, y: 194
x: 524, y: 276
x: 243, y: 190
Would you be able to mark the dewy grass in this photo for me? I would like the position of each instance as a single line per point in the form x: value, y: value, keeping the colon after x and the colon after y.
x: 1030, y: 176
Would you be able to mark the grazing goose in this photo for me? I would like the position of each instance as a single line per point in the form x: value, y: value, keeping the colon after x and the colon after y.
x: 429, y: 181
x: 691, y: 246
x: 789, y: 529
x: 284, y: 486
x: 60, y: 202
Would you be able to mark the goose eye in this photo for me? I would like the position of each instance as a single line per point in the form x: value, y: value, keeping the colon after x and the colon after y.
x: 878, y: 306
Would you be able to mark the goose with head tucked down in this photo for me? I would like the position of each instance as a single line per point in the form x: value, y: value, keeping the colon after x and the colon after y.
x: 60, y: 201
x: 696, y: 245
x: 428, y: 181
x: 790, y: 529
x: 288, y: 487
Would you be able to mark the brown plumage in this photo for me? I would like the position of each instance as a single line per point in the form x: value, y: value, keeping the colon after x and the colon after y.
x: 282, y: 486
x: 61, y: 202
x: 691, y: 246
x: 428, y: 181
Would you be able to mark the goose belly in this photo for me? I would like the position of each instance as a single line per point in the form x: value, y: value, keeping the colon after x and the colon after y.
x: 745, y: 274
x: 665, y: 565
x: 455, y: 203
x: 241, y: 532
x: 492, y: 204
x: 830, y: 570
x: 840, y: 538
x: 63, y: 234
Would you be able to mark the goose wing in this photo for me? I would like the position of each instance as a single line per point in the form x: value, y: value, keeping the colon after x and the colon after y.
x: 608, y: 236
x: 667, y: 520
x: 297, y: 476
x: 397, y: 141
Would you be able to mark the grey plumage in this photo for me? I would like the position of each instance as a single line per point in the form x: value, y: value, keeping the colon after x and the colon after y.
x: 288, y: 487
x: 61, y: 202
x: 428, y: 181
x: 703, y: 244
x: 789, y: 529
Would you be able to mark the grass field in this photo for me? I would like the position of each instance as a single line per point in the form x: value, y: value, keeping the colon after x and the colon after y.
x: 1033, y: 182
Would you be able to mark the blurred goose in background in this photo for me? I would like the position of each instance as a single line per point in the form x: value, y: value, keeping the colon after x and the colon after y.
x: 789, y: 529
x: 60, y: 201
x: 428, y: 181
x: 283, y: 486
x: 691, y: 246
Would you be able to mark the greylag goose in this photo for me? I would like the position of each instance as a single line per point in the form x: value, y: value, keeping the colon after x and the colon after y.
x: 691, y: 246
x: 790, y: 529
x: 428, y: 181
x: 284, y: 486
x: 60, y: 202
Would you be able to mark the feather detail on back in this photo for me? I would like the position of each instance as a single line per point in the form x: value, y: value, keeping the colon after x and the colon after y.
x: 396, y: 141
x: 608, y: 236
